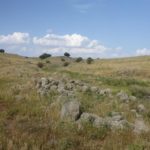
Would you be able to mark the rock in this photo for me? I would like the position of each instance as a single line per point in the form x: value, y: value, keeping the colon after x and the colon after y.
x: 38, y: 85
x: 85, y: 88
x: 132, y: 98
x: 93, y: 119
x: 117, y: 118
x: 123, y: 96
x: 47, y: 87
x: 54, y: 82
x: 115, y: 113
x: 140, y: 126
x: 94, y: 89
x: 105, y: 92
x: 71, y: 110
x: 53, y: 88
x: 141, y: 108
x: 42, y: 92
x: 69, y: 86
x: 44, y: 81
x: 117, y: 121
x: 133, y: 111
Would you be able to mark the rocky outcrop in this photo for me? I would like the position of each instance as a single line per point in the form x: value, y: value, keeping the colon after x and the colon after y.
x: 71, y: 107
x: 67, y: 87
x: 92, y: 119
x: 113, y: 122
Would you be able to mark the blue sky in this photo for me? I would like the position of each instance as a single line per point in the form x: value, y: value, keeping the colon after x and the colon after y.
x: 97, y: 28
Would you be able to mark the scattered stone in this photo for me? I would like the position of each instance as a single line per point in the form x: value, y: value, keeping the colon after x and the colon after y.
x: 133, y: 111
x: 140, y: 126
x: 85, y: 88
x: 44, y: 81
x: 53, y: 88
x: 132, y: 98
x: 71, y: 110
x: 141, y: 108
x: 94, y: 89
x: 123, y: 96
x: 105, y: 92
x: 92, y: 119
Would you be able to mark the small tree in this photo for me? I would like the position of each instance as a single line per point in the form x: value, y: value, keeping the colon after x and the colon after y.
x: 66, y: 54
x: 45, y: 55
x: 89, y: 60
x: 62, y: 59
x: 79, y: 59
x: 40, y: 64
x: 2, y: 51
x: 66, y: 64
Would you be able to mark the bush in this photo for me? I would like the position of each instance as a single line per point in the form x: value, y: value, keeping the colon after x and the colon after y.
x: 79, y: 59
x: 45, y: 55
x: 140, y: 91
x: 66, y: 64
x: 62, y: 59
x: 66, y: 54
x: 89, y: 60
x: 48, y: 62
x: 2, y: 51
x: 40, y: 64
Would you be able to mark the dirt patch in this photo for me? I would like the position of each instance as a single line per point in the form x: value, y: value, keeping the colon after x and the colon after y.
x: 3, y: 106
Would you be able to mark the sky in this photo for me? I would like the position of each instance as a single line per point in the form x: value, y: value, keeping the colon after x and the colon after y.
x: 87, y: 28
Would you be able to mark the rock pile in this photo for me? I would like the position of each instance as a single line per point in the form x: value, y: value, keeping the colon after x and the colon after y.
x: 114, y: 122
x: 71, y: 108
x: 67, y: 87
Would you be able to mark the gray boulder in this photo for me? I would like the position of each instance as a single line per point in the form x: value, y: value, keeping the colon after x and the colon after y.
x: 105, y: 92
x: 93, y: 119
x: 141, y: 108
x: 85, y: 88
x: 44, y: 81
x: 94, y: 89
x: 71, y: 110
x: 123, y: 96
x: 140, y: 126
x: 132, y: 98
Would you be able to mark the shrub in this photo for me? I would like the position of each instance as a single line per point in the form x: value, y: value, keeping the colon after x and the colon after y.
x: 79, y: 59
x: 45, y: 55
x: 40, y: 64
x: 48, y: 62
x: 66, y: 54
x: 140, y: 91
x: 66, y: 64
x: 89, y: 60
x: 62, y: 59
x: 2, y: 51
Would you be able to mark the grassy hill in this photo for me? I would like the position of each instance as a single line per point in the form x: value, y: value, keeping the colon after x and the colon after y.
x: 29, y: 121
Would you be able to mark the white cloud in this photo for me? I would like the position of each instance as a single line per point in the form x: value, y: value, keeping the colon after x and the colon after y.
x: 83, y: 8
x: 14, y: 38
x: 74, y: 43
x: 143, y: 51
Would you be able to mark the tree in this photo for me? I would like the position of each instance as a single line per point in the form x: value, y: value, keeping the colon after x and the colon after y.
x: 66, y: 54
x: 79, y: 59
x: 2, y: 51
x: 89, y: 60
x: 45, y: 55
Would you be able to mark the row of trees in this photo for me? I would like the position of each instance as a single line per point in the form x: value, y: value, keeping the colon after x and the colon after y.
x: 2, y: 51
x: 66, y: 54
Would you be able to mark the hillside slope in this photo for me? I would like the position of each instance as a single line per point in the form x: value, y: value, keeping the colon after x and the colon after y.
x: 31, y: 120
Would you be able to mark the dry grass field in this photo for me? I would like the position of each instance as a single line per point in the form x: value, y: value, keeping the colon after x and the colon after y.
x: 29, y: 121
